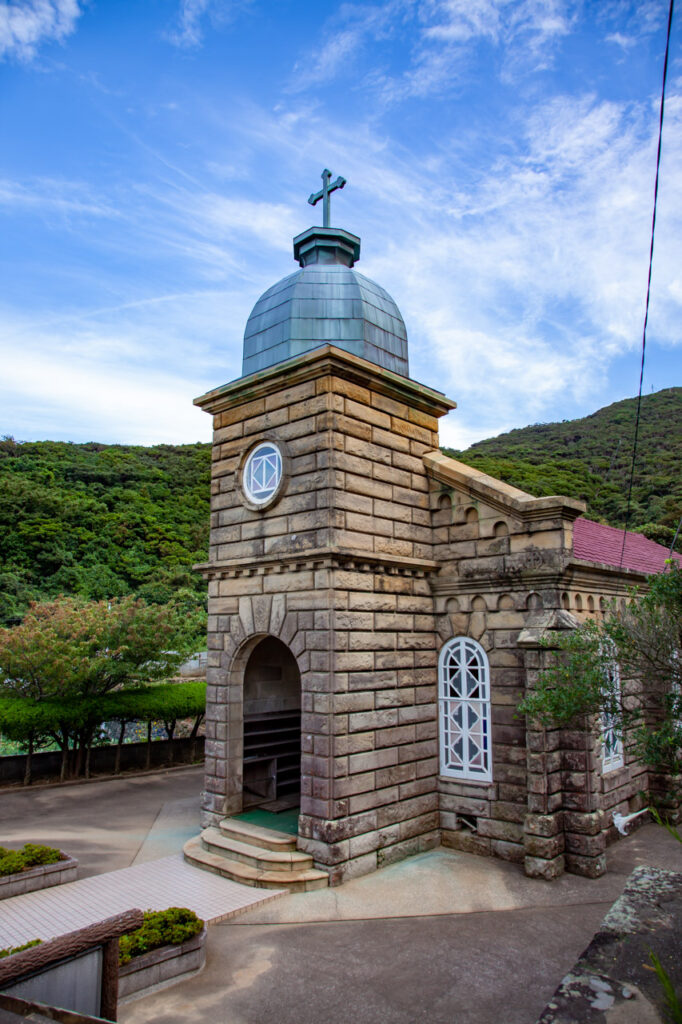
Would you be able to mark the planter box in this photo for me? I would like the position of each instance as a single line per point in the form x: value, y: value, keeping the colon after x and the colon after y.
x: 161, y: 967
x: 38, y: 878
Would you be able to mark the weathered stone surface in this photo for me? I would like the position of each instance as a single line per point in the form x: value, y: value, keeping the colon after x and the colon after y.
x: 372, y: 534
x: 613, y: 979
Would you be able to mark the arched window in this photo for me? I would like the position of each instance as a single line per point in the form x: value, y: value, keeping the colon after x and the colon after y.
x: 611, y: 740
x: 464, y: 710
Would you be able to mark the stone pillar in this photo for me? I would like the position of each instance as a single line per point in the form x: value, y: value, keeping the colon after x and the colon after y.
x: 543, y: 837
x: 585, y: 829
x: 543, y: 826
x: 666, y: 795
x: 564, y: 829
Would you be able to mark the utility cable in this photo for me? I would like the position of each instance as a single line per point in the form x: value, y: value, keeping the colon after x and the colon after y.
x: 648, y: 287
x: 672, y: 546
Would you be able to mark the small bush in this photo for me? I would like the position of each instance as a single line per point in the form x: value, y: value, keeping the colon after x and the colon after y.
x: 160, y: 928
x: 29, y: 856
x: 11, y: 863
x: 19, y: 949
x: 35, y: 855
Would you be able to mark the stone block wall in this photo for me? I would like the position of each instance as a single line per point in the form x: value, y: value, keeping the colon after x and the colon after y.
x: 377, y: 551
x: 500, y: 569
x: 337, y: 569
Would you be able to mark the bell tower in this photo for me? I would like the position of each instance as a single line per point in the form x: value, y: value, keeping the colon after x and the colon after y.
x: 322, y: 641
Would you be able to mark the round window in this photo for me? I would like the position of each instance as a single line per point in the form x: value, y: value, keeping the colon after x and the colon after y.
x: 262, y: 473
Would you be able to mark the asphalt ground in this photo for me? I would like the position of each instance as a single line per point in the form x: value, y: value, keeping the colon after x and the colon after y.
x: 442, y: 937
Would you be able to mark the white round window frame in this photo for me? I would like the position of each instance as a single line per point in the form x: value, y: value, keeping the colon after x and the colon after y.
x: 247, y: 497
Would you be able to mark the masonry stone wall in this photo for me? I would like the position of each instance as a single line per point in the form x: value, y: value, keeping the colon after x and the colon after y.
x: 377, y: 551
x: 499, y: 571
x: 338, y: 570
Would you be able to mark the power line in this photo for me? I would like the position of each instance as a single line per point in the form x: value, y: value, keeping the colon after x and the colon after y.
x: 672, y: 546
x: 648, y: 287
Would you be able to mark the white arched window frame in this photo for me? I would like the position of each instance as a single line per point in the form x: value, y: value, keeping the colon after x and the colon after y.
x: 611, y: 740
x: 464, y: 711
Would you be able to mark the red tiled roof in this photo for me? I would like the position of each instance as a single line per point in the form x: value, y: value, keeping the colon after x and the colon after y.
x: 596, y: 542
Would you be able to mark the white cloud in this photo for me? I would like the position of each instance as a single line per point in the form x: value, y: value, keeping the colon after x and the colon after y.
x: 188, y: 32
x: 223, y: 218
x: 122, y: 374
x: 25, y: 24
x: 440, y: 36
x: 619, y: 39
x: 64, y: 197
x: 99, y: 402
x: 348, y: 31
x: 489, y: 271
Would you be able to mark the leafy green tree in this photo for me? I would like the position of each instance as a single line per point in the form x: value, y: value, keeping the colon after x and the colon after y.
x: 73, y: 653
x: 643, y: 699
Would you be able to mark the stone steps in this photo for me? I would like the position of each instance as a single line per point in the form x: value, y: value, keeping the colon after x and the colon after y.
x: 238, y: 851
x: 248, y: 853
x: 256, y: 835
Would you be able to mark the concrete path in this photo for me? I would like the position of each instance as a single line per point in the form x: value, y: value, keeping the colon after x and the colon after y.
x: 154, y: 885
x: 107, y: 824
x: 444, y: 938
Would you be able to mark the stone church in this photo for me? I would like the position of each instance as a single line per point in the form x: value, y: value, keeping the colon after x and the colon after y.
x: 376, y: 610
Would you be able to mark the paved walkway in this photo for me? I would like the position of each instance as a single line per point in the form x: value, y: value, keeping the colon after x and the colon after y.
x: 107, y: 824
x: 439, y: 938
x: 153, y: 885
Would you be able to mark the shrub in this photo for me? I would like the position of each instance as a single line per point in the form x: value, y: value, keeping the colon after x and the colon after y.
x: 11, y: 863
x: 160, y: 928
x: 35, y: 855
x: 29, y: 856
x: 19, y: 949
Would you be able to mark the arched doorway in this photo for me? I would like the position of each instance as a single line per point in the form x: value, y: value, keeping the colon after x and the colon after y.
x: 272, y: 727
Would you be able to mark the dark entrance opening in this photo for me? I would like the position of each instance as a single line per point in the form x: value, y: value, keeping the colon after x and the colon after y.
x: 272, y: 728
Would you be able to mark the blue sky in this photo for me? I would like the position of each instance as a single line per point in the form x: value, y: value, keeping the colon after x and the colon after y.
x: 157, y: 156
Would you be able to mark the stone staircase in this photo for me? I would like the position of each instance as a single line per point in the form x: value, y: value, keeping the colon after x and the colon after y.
x: 254, y: 856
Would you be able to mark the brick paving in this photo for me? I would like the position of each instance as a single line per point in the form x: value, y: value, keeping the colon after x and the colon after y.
x: 154, y: 885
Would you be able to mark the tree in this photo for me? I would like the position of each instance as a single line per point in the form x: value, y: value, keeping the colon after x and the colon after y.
x: 70, y: 654
x: 644, y: 698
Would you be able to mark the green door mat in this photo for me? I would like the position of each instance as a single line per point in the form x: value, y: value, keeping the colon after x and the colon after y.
x: 285, y: 821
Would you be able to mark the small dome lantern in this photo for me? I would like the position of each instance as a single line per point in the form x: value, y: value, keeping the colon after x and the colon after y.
x: 326, y: 302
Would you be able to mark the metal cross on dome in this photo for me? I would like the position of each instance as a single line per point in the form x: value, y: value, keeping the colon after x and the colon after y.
x: 324, y: 195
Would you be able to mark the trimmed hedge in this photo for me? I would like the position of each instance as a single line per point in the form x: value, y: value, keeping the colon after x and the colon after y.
x: 12, y: 862
x: 160, y: 928
x: 73, y: 724
x: 20, y: 717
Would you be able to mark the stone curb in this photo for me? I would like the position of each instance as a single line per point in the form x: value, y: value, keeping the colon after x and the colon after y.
x: 40, y: 877
x: 161, y: 967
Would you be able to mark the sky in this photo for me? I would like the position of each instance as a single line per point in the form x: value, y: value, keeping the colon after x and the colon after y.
x: 157, y: 157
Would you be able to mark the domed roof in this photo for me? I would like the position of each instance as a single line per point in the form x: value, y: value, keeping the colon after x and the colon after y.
x: 326, y: 302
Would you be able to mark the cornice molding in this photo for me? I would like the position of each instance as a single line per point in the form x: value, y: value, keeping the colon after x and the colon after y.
x: 316, y: 558
x: 323, y: 362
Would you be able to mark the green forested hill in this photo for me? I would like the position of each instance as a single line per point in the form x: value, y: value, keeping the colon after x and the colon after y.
x: 101, y: 521
x: 107, y: 520
x: 590, y: 459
